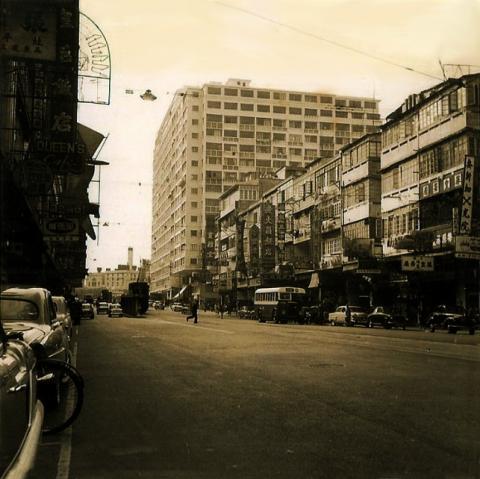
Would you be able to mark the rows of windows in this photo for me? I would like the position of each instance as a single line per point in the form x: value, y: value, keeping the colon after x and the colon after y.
x: 445, y: 156
x: 400, y: 176
x: 276, y: 95
x: 291, y: 110
x: 361, y: 153
x: 400, y: 222
x: 426, y: 116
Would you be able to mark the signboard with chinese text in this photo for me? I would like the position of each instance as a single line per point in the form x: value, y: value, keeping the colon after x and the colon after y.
x: 240, y: 260
x: 447, y: 182
x: 467, y: 199
x: 254, y: 243
x: 267, y: 236
x: 417, y: 263
x: 467, y: 247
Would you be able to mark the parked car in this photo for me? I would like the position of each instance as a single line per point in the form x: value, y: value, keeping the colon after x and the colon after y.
x: 31, y: 312
x: 452, y: 319
x: 358, y: 316
x: 115, y: 310
x: 21, y: 413
x: 63, y: 313
x: 87, y: 311
x: 380, y: 317
x: 102, y: 307
x: 179, y: 308
x: 158, y: 305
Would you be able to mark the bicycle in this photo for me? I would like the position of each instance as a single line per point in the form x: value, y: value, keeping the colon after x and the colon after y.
x: 60, y: 389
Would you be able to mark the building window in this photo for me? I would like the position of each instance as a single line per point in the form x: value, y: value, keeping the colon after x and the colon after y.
x: 214, y: 104
x: 231, y: 119
x: 213, y: 90
x: 231, y: 106
x: 263, y: 108
x: 194, y: 149
x: 326, y: 113
x: 295, y: 97
x: 193, y: 219
x: 194, y: 135
x: 246, y: 106
x: 295, y: 124
x: 341, y: 103
x: 230, y: 92
x: 263, y: 94
x: 279, y: 109
x: 326, y: 99
x: 246, y: 93
x: 194, y: 122
x: 294, y: 111
x: 193, y: 233
x: 278, y: 95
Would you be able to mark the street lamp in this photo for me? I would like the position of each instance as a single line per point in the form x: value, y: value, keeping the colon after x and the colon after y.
x: 147, y: 95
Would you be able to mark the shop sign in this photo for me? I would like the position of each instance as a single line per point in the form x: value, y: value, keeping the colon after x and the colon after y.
x: 268, y: 236
x: 446, y: 183
x: 467, y: 247
x: 417, y: 263
x: 240, y: 263
x: 281, y: 223
x: 253, y: 237
x: 29, y: 31
x: 467, y: 199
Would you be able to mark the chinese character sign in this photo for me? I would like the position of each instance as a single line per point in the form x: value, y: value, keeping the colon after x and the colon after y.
x: 468, y: 196
x: 254, y: 235
x: 268, y: 236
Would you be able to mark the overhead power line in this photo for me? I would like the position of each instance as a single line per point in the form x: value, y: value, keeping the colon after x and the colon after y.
x: 326, y: 40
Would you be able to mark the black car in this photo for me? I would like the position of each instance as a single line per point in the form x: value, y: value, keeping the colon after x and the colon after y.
x: 453, y: 320
x: 380, y: 317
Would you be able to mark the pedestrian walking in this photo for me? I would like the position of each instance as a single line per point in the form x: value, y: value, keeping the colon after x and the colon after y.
x: 348, y: 315
x: 194, y: 314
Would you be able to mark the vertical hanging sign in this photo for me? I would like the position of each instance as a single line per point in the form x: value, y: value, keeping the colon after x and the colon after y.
x: 268, y: 236
x: 467, y: 199
x: 240, y: 262
x: 254, y: 234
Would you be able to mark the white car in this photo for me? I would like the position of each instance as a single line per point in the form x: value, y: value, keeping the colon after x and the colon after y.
x: 357, y: 316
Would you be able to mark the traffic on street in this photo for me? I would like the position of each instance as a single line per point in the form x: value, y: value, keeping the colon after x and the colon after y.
x: 234, y: 397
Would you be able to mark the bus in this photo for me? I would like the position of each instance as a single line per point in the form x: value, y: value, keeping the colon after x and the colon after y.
x: 278, y: 304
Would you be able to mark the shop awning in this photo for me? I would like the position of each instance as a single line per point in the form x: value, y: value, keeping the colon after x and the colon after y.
x: 180, y: 292
x: 314, y: 281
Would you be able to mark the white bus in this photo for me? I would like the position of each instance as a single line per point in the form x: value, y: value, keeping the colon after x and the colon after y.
x: 278, y: 304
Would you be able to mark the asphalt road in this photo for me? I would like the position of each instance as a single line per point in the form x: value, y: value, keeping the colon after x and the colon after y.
x: 234, y: 398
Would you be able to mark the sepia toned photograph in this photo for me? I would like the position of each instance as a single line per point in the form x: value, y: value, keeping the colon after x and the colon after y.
x: 240, y: 239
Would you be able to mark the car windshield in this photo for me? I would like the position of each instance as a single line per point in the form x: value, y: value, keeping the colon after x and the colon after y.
x: 18, y: 310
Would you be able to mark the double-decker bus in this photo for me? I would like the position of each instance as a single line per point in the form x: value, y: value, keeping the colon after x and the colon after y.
x: 278, y: 304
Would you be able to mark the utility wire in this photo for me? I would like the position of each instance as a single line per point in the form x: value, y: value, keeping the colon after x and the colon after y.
x: 326, y: 40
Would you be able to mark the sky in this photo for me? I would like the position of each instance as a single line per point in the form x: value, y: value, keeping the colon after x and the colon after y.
x: 382, y: 48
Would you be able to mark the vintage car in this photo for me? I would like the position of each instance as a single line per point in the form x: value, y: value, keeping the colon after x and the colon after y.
x: 380, y: 317
x: 21, y: 414
x: 358, y: 316
x: 31, y: 312
x: 102, y: 307
x: 87, y: 311
x: 179, y: 308
x: 63, y: 313
x: 115, y: 310
x: 453, y: 319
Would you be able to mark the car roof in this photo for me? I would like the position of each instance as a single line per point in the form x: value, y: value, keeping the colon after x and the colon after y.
x: 35, y: 295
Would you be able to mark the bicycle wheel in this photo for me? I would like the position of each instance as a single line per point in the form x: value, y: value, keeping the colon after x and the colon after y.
x: 60, y: 388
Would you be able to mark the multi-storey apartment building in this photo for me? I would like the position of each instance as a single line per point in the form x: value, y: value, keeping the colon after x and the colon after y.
x: 215, y: 136
x: 430, y: 194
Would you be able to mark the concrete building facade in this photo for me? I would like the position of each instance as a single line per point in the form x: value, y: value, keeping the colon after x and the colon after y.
x: 217, y: 135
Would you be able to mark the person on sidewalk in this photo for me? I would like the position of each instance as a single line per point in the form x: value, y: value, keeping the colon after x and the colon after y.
x: 194, y: 314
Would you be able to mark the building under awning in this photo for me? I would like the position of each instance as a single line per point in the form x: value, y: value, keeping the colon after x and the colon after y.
x: 314, y: 281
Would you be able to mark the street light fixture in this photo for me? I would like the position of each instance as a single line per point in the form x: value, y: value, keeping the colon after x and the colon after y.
x: 147, y: 95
